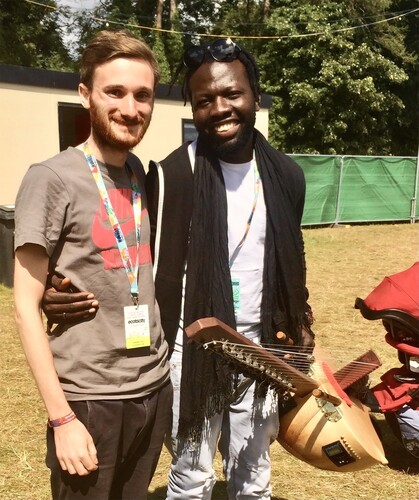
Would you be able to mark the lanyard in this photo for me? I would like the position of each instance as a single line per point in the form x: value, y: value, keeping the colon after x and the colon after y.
x: 249, y: 220
x: 132, y: 271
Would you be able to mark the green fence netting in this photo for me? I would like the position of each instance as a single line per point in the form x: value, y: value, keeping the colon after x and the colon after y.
x: 345, y: 189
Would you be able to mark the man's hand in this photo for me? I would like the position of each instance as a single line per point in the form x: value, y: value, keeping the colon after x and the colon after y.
x: 307, y: 337
x: 64, y: 303
x: 75, y: 449
x: 300, y: 356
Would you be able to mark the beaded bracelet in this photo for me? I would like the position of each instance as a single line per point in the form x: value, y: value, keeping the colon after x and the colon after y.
x: 62, y: 420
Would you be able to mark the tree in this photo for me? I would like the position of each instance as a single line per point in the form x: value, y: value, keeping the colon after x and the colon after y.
x: 405, y: 135
x: 334, y: 91
x: 149, y: 19
x: 198, y: 16
x: 335, y: 88
x: 342, y: 82
x: 158, y: 48
x: 31, y: 35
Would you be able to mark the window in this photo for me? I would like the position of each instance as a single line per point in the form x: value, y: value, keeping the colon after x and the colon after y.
x: 73, y: 123
x: 189, y: 132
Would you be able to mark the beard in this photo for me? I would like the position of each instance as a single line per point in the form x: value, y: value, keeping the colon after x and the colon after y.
x: 223, y: 149
x: 107, y: 136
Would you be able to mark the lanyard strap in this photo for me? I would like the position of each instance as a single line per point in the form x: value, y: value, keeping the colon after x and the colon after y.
x: 132, y: 271
x: 249, y: 220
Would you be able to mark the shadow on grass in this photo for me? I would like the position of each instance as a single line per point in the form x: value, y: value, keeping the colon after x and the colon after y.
x: 158, y: 494
x: 397, y: 456
x: 218, y: 493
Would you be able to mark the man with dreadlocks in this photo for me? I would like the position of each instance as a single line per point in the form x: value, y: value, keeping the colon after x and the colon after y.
x: 226, y: 210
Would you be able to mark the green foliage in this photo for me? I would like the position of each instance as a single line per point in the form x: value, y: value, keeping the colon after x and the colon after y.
x: 108, y: 14
x: 336, y: 89
x: 158, y: 48
x: 174, y: 46
x: 240, y: 18
x: 199, y: 16
x: 405, y: 136
x: 136, y: 16
x: 32, y: 36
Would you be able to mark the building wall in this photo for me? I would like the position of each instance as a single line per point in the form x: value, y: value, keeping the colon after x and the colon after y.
x: 29, y: 130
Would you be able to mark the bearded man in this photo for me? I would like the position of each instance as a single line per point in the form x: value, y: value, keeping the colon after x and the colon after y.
x: 226, y: 213
x: 105, y: 384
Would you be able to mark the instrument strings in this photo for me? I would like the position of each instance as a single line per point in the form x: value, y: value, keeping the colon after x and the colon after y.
x: 269, y: 357
x: 356, y: 368
x: 259, y: 359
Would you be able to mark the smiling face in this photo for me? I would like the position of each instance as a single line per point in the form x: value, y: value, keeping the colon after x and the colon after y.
x: 120, y: 102
x: 224, y: 109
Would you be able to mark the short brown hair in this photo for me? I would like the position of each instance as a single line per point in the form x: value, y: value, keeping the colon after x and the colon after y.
x: 107, y: 45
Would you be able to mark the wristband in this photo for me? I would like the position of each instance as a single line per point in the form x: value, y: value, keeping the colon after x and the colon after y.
x: 62, y: 420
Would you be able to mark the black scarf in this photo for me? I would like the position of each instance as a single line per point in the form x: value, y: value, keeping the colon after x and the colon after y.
x: 206, y: 382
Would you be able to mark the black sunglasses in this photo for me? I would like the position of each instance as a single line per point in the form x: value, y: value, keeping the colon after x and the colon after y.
x: 221, y: 50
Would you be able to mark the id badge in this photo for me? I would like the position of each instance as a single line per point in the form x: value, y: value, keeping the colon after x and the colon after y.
x: 137, y: 326
x: 235, y: 284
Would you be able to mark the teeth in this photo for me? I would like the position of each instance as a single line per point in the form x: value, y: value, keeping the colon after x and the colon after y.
x: 224, y: 127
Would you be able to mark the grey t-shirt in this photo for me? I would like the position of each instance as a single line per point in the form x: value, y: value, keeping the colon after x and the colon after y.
x: 59, y: 207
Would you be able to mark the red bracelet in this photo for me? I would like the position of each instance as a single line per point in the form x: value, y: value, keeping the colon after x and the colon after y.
x: 62, y: 420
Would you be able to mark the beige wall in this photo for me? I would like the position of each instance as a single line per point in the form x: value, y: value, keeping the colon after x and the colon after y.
x: 29, y: 130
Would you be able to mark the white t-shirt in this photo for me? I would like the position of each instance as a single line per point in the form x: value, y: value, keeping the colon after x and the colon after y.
x: 247, y: 264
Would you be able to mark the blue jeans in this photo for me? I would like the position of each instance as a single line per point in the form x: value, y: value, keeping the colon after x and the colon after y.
x: 243, y: 432
x: 408, y: 420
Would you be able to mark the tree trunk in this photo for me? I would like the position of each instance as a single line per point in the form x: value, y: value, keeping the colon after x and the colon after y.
x: 159, y: 13
x: 266, y: 8
x: 173, y: 10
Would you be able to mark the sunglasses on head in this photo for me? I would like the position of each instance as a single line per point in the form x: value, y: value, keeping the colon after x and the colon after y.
x: 221, y: 50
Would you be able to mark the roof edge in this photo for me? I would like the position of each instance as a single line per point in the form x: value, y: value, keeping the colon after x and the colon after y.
x: 37, y: 77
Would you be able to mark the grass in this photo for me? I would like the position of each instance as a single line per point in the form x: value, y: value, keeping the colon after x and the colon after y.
x: 343, y: 263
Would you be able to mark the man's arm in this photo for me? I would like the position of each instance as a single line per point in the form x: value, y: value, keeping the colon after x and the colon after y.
x: 74, y: 445
x: 62, y: 302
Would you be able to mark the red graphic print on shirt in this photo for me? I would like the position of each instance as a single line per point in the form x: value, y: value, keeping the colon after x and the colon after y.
x: 103, y: 236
